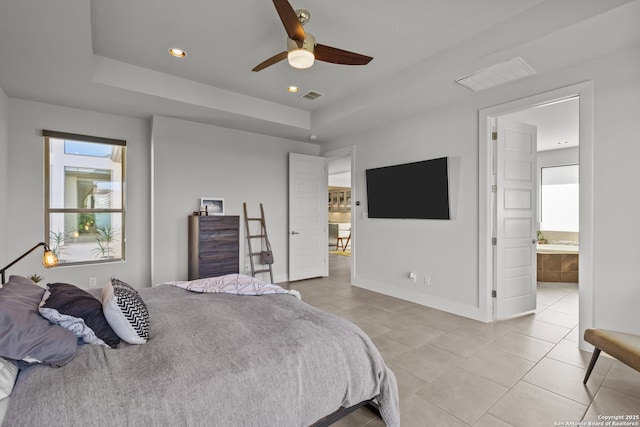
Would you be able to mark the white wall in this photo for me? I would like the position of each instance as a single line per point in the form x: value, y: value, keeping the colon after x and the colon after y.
x: 617, y: 205
x: 340, y: 180
x: 4, y: 176
x: 193, y: 160
x: 25, y: 219
x: 447, y: 251
x: 563, y: 156
x: 387, y: 250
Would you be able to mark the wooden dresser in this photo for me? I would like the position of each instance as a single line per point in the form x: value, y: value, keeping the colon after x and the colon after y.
x: 214, y: 246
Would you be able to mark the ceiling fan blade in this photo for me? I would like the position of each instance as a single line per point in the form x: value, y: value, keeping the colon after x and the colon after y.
x: 339, y: 56
x: 269, y: 62
x: 289, y: 19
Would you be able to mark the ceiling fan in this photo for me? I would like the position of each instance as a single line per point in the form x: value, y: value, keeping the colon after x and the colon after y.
x: 302, y: 48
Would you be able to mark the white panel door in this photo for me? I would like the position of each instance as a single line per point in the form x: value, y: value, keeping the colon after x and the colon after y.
x: 308, y: 217
x: 516, y: 218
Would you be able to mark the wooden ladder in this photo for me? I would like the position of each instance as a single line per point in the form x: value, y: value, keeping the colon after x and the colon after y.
x: 265, y: 246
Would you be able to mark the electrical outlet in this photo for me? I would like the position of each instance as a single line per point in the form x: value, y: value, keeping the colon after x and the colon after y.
x: 93, y: 282
x: 412, y: 277
x: 427, y: 280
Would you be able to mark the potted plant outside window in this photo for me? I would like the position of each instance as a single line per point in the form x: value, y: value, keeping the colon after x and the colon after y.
x: 106, y: 236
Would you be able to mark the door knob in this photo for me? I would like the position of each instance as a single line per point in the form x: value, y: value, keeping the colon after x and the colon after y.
x: 294, y: 232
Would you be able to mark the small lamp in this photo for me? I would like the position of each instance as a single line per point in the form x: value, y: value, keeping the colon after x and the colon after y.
x: 49, y: 259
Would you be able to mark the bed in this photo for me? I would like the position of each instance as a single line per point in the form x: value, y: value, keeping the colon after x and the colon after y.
x: 213, y: 359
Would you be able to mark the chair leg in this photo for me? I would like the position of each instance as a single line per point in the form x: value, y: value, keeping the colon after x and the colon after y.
x: 344, y: 247
x: 594, y: 358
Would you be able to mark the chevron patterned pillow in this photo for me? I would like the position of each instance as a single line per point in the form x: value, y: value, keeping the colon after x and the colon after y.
x: 125, y: 311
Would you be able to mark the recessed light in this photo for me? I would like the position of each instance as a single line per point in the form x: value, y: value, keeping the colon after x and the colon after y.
x: 293, y: 89
x: 178, y: 53
x: 313, y: 137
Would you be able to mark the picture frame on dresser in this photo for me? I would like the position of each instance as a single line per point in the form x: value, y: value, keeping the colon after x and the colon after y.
x: 212, y: 205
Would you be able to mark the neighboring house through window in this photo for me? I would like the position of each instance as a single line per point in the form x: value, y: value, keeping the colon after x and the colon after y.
x: 84, y: 197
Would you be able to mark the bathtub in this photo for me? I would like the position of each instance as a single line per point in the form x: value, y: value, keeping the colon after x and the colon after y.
x: 557, y: 249
x: 557, y: 263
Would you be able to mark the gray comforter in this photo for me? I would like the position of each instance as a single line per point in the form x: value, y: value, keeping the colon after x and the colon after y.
x: 213, y: 360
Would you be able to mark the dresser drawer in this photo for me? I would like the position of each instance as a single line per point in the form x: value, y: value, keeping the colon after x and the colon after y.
x: 214, y: 246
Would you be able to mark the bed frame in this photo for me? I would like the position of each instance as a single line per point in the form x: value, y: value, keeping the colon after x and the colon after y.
x: 343, y: 412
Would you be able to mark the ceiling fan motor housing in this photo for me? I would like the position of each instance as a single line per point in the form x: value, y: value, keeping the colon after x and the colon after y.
x: 309, y: 43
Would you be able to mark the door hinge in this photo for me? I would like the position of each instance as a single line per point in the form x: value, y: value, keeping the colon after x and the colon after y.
x: 494, y: 241
x: 494, y: 188
x: 494, y: 294
x: 494, y: 136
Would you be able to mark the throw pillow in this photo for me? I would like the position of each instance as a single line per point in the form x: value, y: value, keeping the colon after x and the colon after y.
x: 79, y: 312
x: 26, y: 335
x: 126, y: 312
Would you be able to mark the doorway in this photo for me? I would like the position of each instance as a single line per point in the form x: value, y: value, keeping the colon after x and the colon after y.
x: 341, y: 240
x: 557, y: 183
x: 583, y: 93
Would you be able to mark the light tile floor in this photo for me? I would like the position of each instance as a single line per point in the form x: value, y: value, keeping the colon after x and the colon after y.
x: 454, y: 371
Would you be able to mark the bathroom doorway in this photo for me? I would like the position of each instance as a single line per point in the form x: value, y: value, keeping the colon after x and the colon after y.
x: 488, y: 164
x: 558, y: 189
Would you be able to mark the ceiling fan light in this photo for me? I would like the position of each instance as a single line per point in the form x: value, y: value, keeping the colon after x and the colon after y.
x: 300, y: 58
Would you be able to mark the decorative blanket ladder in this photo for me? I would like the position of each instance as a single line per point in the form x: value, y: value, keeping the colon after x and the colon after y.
x: 265, y: 253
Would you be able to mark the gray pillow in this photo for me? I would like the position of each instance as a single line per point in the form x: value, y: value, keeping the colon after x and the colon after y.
x: 27, y: 336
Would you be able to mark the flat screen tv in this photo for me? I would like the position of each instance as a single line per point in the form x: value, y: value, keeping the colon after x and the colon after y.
x: 418, y: 190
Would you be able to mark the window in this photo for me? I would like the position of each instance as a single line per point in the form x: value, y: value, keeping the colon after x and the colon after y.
x: 560, y: 198
x: 84, y: 197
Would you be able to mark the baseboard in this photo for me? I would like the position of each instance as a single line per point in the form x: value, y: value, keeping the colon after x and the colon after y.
x: 422, y: 299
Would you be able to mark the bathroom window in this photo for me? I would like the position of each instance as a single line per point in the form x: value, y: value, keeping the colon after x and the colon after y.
x: 559, y: 198
x: 84, y: 197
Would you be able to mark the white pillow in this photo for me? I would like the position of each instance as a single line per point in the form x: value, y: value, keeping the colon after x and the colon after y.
x: 8, y: 375
x: 125, y: 312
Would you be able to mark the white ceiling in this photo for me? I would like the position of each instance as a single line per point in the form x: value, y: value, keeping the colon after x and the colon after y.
x: 557, y: 124
x: 111, y: 55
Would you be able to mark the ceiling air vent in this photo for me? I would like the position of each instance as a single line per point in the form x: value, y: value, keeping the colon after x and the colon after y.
x: 497, y: 74
x: 312, y: 95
